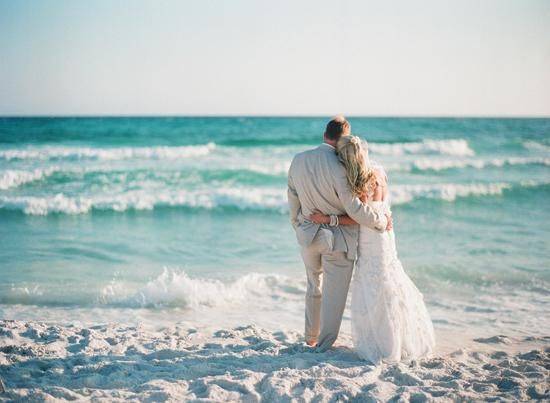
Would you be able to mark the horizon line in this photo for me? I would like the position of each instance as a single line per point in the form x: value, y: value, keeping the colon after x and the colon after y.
x: 297, y: 116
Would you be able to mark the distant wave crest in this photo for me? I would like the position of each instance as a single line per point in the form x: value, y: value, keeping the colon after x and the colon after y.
x: 536, y: 146
x: 447, y: 192
x: 456, y: 147
x: 118, y: 153
x: 443, y: 164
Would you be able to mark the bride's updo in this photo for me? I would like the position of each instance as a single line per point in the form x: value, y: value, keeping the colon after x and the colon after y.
x: 354, y: 156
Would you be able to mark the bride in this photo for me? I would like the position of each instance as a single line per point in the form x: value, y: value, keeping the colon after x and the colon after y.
x: 388, y: 317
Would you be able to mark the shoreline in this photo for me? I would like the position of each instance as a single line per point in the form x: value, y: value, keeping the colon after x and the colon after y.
x: 113, y: 362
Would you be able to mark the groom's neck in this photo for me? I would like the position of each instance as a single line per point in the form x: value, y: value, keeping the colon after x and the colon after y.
x: 331, y: 143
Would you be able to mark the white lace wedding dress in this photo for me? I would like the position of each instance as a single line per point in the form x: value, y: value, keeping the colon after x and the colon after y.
x: 389, y: 319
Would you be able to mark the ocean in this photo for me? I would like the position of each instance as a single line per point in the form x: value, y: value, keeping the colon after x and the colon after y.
x: 184, y: 220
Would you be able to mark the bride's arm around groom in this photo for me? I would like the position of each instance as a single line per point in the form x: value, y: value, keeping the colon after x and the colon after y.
x: 328, y: 187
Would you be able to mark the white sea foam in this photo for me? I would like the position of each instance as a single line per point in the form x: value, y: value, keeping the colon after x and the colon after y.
x: 275, y: 168
x: 239, y: 198
x: 172, y: 288
x: 176, y: 289
x: 12, y: 178
x: 456, y: 147
x: 447, y: 192
x: 242, y: 198
x: 536, y: 146
x: 443, y: 164
x: 118, y: 153
x: 36, y: 205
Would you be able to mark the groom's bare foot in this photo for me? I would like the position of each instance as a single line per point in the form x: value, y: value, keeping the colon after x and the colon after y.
x: 311, y: 343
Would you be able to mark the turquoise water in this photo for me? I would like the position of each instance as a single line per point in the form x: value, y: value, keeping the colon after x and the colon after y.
x: 106, y: 216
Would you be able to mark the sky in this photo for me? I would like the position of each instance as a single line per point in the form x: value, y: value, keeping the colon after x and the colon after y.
x: 255, y: 57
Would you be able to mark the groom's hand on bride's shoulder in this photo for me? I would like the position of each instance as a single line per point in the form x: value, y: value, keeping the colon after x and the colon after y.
x: 389, y: 225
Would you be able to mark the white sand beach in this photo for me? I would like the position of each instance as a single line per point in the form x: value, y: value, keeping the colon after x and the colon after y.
x: 49, y: 362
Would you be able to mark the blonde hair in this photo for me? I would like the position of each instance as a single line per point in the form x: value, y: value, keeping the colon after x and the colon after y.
x: 360, y: 175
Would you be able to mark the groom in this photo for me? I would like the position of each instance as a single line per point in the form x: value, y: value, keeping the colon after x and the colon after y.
x: 317, y: 181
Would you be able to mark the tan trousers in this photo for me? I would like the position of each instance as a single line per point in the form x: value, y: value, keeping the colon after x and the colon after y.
x: 328, y: 278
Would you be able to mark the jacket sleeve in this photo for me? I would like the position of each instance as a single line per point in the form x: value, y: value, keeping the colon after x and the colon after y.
x: 294, y: 206
x: 362, y: 213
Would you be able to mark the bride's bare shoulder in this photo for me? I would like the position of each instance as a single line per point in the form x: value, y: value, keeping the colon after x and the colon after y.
x: 380, y: 175
x: 380, y: 189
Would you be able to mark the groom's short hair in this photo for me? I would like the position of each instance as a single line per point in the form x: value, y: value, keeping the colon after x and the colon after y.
x: 336, y: 128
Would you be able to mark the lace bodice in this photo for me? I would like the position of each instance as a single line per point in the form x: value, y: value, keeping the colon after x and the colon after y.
x: 374, y: 243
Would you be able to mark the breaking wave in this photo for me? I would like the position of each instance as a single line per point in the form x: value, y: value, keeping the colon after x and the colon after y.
x: 12, y: 178
x: 177, y: 289
x: 237, y: 198
x: 242, y: 198
x: 172, y: 288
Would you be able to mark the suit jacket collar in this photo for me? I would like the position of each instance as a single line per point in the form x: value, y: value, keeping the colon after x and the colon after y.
x: 326, y: 146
